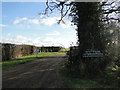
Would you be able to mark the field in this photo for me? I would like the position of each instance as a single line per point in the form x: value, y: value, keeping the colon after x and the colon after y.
x: 64, y: 49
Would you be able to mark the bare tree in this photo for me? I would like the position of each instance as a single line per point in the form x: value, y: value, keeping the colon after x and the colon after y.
x: 64, y: 6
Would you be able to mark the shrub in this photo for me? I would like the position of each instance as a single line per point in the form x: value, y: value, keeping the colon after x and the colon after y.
x: 7, y: 51
x: 87, y: 67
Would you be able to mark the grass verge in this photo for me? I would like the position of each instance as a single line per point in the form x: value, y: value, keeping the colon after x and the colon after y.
x: 87, y: 83
x: 11, y: 63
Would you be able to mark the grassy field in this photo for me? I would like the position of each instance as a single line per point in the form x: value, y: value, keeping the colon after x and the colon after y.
x: 10, y: 63
x: 64, y: 49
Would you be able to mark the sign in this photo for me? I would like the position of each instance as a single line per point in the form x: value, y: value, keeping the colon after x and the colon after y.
x: 36, y: 51
x: 93, y: 54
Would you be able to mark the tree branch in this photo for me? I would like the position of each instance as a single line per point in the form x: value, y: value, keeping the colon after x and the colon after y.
x: 61, y: 4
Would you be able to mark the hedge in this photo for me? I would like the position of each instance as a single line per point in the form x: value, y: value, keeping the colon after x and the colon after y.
x: 12, y: 51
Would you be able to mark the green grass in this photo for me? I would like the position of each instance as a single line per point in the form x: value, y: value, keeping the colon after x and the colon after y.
x: 65, y: 49
x: 11, y: 63
x: 77, y: 82
x: 82, y: 83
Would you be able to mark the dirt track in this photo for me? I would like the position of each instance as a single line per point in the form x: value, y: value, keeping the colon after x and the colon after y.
x: 42, y: 73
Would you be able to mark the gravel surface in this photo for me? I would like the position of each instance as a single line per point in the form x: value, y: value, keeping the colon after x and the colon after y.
x: 41, y: 73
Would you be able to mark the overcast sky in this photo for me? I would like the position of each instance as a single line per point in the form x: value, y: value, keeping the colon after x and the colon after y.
x: 21, y: 24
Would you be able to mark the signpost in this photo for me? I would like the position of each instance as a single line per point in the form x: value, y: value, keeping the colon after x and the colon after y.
x: 96, y: 54
x: 36, y: 52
